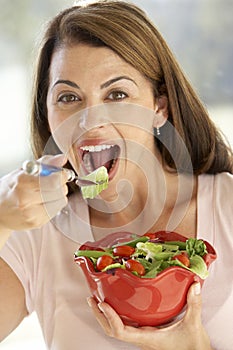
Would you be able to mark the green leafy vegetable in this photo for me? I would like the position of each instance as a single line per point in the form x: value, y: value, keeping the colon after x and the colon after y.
x: 99, y: 175
x: 92, y: 253
x: 114, y: 266
x: 195, y: 246
x: 155, y: 257
x: 197, y: 265
x: 152, y: 269
x: 180, y: 244
x: 134, y: 242
x: 149, y: 249
x: 155, y: 251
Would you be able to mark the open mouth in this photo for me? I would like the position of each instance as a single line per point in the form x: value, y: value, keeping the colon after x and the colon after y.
x: 95, y: 156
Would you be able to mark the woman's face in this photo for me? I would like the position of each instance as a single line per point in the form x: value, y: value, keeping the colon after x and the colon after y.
x: 82, y: 80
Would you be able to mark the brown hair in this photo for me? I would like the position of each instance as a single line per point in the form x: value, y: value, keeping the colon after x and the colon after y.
x: 126, y: 29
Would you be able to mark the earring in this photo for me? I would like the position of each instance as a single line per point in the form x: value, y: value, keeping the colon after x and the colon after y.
x: 157, y: 131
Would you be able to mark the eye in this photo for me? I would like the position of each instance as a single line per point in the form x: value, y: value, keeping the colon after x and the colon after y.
x: 68, y: 98
x: 117, y: 95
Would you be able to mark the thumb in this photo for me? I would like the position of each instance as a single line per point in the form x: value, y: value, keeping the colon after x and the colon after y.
x: 58, y: 160
x: 194, y: 302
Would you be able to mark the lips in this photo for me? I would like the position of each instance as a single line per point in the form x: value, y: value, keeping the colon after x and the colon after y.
x: 96, y: 155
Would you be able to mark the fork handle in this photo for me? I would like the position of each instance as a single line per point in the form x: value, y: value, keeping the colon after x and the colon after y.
x: 32, y: 167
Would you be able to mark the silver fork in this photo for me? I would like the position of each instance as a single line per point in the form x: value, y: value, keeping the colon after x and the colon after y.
x: 32, y: 167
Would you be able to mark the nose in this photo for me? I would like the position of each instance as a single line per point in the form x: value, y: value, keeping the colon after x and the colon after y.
x: 93, y: 117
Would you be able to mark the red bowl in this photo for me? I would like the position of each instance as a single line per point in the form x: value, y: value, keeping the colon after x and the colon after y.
x: 141, y: 301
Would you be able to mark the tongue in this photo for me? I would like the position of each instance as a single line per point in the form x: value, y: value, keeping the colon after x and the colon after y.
x: 104, y: 157
x: 108, y: 165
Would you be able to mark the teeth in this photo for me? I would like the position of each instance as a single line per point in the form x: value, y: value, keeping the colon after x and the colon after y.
x: 87, y: 163
x: 113, y: 163
x: 96, y: 148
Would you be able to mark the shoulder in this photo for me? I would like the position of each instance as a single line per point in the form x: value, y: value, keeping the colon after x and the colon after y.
x: 221, y: 183
x: 223, y: 204
x: 225, y: 177
x: 215, y: 192
x: 223, y: 186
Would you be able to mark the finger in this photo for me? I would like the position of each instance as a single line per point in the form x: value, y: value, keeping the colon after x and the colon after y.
x: 34, y: 217
x: 194, y: 302
x: 99, y: 315
x: 9, y: 178
x: 53, y: 195
x: 53, y: 182
x: 20, y: 180
x: 52, y: 208
x: 116, y: 326
x: 117, y: 329
x: 57, y: 160
x: 30, y: 190
x: 40, y: 214
x: 23, y: 182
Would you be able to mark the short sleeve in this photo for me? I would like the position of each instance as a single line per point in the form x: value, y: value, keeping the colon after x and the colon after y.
x: 21, y: 252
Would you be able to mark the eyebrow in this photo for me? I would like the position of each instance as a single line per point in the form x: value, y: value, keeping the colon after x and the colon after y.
x: 102, y: 86
x: 111, y: 81
x: 67, y: 82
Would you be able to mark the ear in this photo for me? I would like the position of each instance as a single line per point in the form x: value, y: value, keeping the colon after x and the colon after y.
x: 161, y: 111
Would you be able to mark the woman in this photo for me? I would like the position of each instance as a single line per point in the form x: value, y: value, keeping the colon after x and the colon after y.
x: 108, y: 91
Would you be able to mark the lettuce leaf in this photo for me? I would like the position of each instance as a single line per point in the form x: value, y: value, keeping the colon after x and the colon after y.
x: 195, y: 247
x: 99, y: 175
x: 197, y: 265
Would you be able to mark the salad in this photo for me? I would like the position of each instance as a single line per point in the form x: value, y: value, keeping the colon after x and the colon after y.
x: 146, y: 256
x: 99, y: 175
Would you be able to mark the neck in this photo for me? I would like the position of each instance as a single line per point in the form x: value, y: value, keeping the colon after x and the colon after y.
x: 161, y: 207
x: 180, y: 209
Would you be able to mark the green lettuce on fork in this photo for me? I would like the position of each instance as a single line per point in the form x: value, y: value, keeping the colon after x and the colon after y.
x: 99, y: 175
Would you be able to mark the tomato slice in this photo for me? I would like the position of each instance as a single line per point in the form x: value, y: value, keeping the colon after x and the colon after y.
x: 135, y: 266
x: 87, y: 247
x: 150, y: 235
x: 183, y: 258
x: 123, y: 250
x: 103, y: 261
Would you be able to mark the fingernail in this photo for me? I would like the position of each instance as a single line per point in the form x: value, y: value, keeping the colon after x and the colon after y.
x: 100, y: 307
x: 89, y: 301
x: 60, y: 157
x: 197, y: 289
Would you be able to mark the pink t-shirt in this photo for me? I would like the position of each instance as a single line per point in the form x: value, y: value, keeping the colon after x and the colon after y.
x: 56, y: 289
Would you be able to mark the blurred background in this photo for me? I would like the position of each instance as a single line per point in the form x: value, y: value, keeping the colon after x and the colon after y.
x: 199, y: 32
